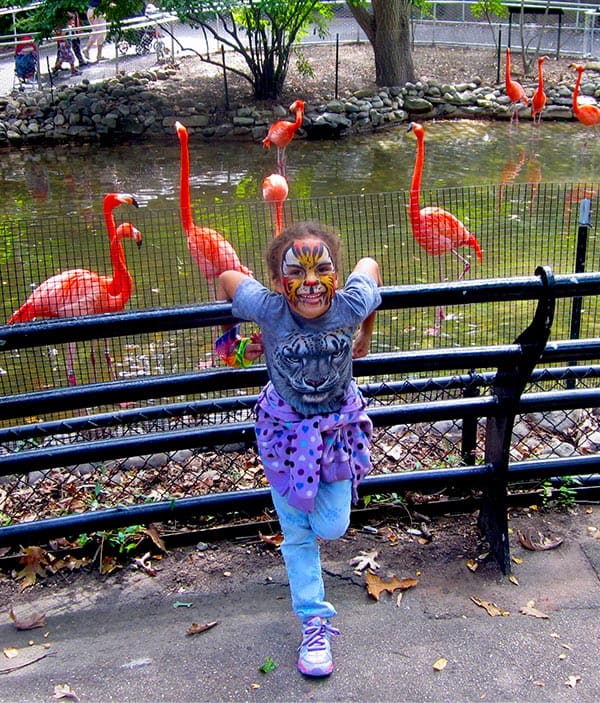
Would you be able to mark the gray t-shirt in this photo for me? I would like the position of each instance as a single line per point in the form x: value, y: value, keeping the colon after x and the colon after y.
x: 309, y: 361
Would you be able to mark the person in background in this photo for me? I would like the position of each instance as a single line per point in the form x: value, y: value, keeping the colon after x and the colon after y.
x: 74, y: 25
x: 312, y: 431
x: 98, y: 32
x: 64, y: 50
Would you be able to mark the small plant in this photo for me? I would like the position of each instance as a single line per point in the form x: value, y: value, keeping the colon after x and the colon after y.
x: 268, y: 666
x: 563, y: 496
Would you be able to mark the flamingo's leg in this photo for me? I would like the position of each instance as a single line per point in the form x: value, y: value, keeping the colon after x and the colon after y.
x: 71, y: 380
x: 465, y: 261
x: 281, y: 160
x: 109, y: 361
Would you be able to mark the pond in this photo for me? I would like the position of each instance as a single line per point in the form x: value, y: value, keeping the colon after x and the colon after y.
x: 513, y: 186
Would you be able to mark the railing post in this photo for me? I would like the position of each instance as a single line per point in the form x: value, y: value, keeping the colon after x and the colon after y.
x: 508, y: 386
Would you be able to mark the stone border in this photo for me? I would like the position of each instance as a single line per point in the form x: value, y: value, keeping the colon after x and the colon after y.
x: 144, y: 105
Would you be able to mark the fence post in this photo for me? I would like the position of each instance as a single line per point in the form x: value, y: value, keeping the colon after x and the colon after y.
x: 508, y: 386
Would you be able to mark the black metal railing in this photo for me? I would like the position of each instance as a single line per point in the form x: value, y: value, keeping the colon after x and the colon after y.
x: 81, y: 458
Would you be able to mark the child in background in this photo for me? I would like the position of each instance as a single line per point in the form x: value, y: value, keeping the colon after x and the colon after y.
x: 312, y: 431
x: 65, y: 52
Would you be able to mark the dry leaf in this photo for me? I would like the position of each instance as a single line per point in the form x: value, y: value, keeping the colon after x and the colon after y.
x: 491, y: 608
x: 29, y: 621
x: 271, y: 540
x: 535, y: 541
x: 513, y: 579
x: 153, y: 533
x: 10, y: 652
x: 35, y: 560
x: 196, y: 629
x: 376, y: 585
x: 143, y: 563
x: 572, y: 681
x: 530, y: 610
x: 109, y: 564
x: 472, y: 565
x: 440, y: 664
x: 365, y: 560
x: 63, y: 690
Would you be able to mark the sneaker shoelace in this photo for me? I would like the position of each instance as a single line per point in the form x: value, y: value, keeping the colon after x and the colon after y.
x: 315, y: 634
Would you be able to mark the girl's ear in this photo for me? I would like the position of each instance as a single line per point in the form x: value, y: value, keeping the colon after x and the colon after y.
x: 277, y: 285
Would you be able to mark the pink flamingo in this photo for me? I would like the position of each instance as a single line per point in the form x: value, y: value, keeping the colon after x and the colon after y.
x: 538, y: 102
x: 275, y: 190
x: 436, y: 230
x: 83, y: 292
x: 282, y: 132
x: 210, y: 250
x: 587, y: 114
x: 514, y: 90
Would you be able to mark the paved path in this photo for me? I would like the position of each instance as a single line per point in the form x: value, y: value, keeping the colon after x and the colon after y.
x: 123, y: 640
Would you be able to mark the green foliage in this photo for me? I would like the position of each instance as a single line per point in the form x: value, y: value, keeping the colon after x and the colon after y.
x: 270, y: 29
x: 268, y: 666
x: 488, y: 8
x: 564, y: 496
x: 52, y: 14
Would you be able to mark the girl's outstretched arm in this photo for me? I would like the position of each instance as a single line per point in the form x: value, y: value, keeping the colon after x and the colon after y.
x: 362, y: 341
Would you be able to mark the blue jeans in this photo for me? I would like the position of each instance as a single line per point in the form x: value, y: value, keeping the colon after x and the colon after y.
x: 300, y: 548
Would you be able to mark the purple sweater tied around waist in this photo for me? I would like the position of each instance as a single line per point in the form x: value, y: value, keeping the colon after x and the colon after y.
x: 297, y: 451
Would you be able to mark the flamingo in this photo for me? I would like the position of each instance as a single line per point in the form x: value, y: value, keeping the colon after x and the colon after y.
x: 210, y: 250
x: 436, y: 230
x: 538, y: 102
x: 282, y: 132
x: 510, y: 171
x: 514, y: 90
x: 587, y: 114
x: 275, y: 190
x: 83, y: 292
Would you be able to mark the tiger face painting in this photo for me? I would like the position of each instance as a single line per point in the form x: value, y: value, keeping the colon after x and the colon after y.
x: 308, y: 277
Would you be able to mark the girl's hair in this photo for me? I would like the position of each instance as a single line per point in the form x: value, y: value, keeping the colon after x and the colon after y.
x: 300, y: 230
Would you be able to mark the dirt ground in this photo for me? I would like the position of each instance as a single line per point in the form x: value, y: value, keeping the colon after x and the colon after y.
x: 203, y: 82
x: 416, y: 541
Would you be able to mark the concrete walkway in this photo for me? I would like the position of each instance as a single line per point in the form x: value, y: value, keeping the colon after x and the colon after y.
x: 124, y: 639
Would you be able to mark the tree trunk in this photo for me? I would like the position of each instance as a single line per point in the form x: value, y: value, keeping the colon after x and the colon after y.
x: 388, y: 30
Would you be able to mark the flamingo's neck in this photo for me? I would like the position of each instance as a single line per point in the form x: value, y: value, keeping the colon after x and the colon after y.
x: 122, y: 282
x: 415, y: 186
x: 184, y: 185
x: 541, y: 77
x: 299, y: 118
x: 507, y: 69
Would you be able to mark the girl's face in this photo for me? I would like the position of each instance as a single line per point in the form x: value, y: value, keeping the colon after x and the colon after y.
x: 308, y: 278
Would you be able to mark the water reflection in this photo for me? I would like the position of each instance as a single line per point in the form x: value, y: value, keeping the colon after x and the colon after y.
x: 61, y: 180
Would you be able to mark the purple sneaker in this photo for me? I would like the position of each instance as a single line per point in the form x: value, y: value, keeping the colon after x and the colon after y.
x: 314, y: 658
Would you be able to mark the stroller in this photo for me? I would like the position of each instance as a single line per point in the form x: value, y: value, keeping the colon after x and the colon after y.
x: 26, y: 62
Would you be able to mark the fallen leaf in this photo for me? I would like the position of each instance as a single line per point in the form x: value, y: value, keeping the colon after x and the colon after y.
x: 109, y: 564
x: 535, y: 541
x: 143, y: 563
x: 153, y: 533
x: 272, y: 540
x: 472, y: 565
x: 63, y: 690
x: 365, y: 560
x: 534, y: 612
x: 268, y: 666
x: 513, y: 579
x: 491, y: 608
x: 516, y: 560
x: 440, y: 664
x: 28, y: 621
x: 25, y: 657
x: 35, y: 560
x: 10, y: 652
x: 572, y: 681
x: 196, y: 629
x: 376, y: 585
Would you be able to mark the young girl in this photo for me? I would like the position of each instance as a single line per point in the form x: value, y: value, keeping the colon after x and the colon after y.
x: 312, y: 432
